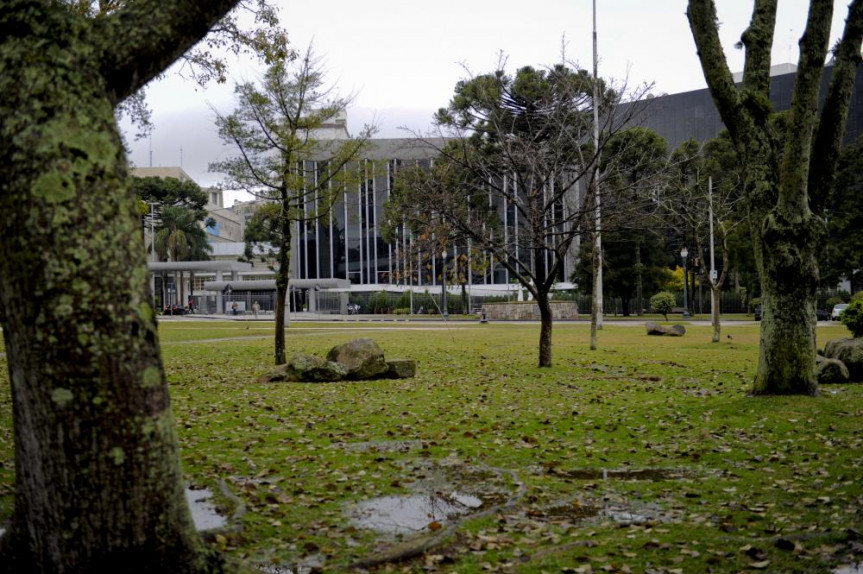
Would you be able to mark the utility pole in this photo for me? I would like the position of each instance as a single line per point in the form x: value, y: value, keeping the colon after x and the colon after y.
x: 596, y: 311
x: 153, y: 250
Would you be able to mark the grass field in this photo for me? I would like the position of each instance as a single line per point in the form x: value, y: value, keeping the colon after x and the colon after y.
x: 646, y: 455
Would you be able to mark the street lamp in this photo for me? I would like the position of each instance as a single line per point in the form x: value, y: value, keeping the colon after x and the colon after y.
x: 444, y: 313
x: 683, y: 253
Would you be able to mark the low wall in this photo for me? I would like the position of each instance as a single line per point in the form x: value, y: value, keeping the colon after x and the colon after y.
x: 529, y: 311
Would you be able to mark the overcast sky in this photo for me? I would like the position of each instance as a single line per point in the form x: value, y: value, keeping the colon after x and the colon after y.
x: 402, y: 58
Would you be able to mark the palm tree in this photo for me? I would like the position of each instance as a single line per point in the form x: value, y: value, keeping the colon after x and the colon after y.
x: 180, y: 237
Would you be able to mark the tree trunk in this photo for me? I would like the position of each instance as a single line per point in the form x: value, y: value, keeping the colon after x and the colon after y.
x: 788, y: 300
x: 544, y: 330
x: 98, y: 478
x: 283, y: 276
x: 596, y: 306
x: 714, y: 312
x: 465, y: 306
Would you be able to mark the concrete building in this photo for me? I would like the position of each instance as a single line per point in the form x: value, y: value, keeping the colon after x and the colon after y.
x: 344, y: 250
x: 679, y: 117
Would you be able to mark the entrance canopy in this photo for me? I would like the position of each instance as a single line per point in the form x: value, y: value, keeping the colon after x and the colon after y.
x: 199, y: 266
x: 270, y: 284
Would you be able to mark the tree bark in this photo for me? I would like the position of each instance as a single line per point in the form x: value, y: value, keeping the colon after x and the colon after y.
x: 544, y: 329
x: 283, y: 277
x: 98, y: 477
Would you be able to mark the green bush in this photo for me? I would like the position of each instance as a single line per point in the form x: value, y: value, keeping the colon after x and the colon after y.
x: 852, y: 317
x: 858, y: 296
x: 663, y: 302
x: 402, y: 311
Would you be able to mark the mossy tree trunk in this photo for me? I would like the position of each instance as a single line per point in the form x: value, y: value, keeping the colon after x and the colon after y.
x: 546, y: 322
x: 783, y: 175
x: 98, y: 478
x: 283, y: 277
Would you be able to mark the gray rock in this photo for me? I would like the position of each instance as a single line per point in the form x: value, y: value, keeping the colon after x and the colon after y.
x: 830, y: 371
x: 401, y: 369
x: 670, y: 330
x: 362, y: 358
x: 307, y: 369
x: 850, y: 352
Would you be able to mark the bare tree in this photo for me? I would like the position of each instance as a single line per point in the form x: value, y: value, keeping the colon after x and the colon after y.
x: 275, y: 129
x: 511, y: 176
x: 704, y: 198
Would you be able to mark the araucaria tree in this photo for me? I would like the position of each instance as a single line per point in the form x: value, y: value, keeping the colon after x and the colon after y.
x: 98, y: 481
x: 785, y: 178
x: 274, y: 130
x: 507, y: 180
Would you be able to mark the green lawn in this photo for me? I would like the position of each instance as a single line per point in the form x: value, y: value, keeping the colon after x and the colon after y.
x: 646, y: 455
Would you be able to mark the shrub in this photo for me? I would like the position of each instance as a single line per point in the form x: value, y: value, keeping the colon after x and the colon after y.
x: 663, y: 302
x: 852, y: 317
x: 858, y: 296
x: 402, y: 311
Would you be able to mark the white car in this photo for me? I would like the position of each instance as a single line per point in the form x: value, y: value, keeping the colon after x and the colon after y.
x: 837, y: 310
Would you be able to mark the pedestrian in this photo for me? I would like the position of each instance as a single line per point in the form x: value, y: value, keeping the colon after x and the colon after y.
x: 255, y: 309
x: 234, y: 308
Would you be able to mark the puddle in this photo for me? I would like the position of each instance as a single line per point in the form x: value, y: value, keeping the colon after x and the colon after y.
x: 204, y: 513
x: 624, y: 517
x: 310, y: 564
x: 383, y: 446
x: 623, y: 474
x: 410, y: 514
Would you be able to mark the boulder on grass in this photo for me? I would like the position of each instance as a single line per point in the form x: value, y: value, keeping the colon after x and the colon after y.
x: 829, y: 371
x: 670, y: 330
x: 362, y: 358
x: 850, y: 352
x: 401, y: 369
x: 306, y: 369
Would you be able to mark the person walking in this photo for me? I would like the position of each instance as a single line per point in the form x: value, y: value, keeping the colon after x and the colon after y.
x: 255, y: 309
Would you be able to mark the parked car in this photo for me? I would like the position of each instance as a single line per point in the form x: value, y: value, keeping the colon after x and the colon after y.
x: 758, y: 313
x: 822, y: 314
x: 837, y: 311
x: 174, y: 310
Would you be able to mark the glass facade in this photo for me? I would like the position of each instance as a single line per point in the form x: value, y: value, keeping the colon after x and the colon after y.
x: 346, y: 241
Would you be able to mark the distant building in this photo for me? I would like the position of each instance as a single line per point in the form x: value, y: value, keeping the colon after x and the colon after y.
x: 346, y: 245
x: 679, y: 117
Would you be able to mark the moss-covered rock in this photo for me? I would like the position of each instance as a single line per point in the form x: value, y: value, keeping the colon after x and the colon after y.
x: 362, y: 358
x: 829, y: 371
x: 850, y: 352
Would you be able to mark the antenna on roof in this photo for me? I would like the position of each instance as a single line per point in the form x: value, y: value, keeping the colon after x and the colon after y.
x: 151, y: 150
x: 181, y: 156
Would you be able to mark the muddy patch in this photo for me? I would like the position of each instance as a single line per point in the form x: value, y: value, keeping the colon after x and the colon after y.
x: 651, y: 474
x: 383, y: 446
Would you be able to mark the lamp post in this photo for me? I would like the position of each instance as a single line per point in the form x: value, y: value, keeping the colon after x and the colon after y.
x: 683, y: 253
x: 444, y: 313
